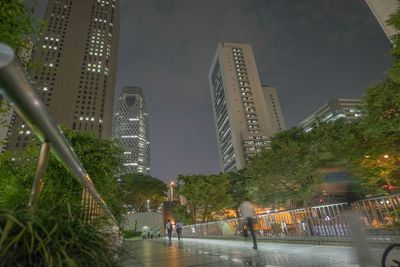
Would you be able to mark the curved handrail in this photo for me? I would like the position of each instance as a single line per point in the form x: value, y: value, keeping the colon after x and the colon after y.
x: 15, y: 87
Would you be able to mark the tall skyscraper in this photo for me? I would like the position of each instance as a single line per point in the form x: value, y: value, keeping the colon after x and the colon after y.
x: 244, y: 119
x: 275, y: 116
x: 382, y: 10
x: 348, y: 109
x: 131, y: 129
x: 76, y: 65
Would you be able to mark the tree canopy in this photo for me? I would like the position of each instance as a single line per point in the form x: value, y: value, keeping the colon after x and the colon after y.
x: 238, y: 188
x: 206, y: 195
x: 288, y: 170
x: 368, y: 148
x: 16, y: 23
x: 140, y: 187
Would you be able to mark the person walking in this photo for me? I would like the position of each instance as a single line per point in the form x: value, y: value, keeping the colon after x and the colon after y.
x: 247, y: 212
x: 178, y: 227
x: 168, y: 226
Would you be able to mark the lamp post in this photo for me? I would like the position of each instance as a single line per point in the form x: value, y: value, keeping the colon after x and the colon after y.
x: 385, y: 174
x: 171, y: 186
x: 148, y: 205
x: 390, y: 167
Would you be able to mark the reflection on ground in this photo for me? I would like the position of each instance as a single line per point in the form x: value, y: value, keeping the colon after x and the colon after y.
x: 209, y: 252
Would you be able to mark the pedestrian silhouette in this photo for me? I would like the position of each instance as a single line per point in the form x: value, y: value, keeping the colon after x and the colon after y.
x: 178, y: 228
x: 168, y: 226
x: 247, y: 212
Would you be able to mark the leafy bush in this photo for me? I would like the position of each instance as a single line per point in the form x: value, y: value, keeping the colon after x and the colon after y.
x: 131, y: 234
x: 47, y: 240
x: 57, y: 234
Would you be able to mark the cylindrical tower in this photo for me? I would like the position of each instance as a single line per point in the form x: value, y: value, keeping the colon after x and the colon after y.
x: 131, y: 129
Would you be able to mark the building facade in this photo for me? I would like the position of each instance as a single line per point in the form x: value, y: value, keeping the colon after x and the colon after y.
x: 382, y: 10
x: 274, y: 108
x: 348, y: 109
x: 75, y: 67
x: 244, y: 121
x: 131, y: 129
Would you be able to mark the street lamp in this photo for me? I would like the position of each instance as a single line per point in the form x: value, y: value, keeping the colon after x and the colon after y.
x: 385, y: 173
x: 148, y: 205
x: 171, y: 186
x: 383, y: 162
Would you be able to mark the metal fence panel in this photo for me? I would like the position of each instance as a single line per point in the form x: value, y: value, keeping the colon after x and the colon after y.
x: 379, y: 218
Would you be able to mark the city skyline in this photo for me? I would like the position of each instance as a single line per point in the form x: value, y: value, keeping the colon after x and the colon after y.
x: 76, y: 59
x: 149, y: 121
x: 311, y: 51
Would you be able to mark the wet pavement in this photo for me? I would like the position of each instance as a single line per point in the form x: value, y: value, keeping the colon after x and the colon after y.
x: 211, y: 252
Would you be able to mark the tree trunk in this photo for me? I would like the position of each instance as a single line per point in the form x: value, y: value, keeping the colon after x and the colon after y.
x: 194, y: 215
x: 237, y: 212
x: 204, y: 215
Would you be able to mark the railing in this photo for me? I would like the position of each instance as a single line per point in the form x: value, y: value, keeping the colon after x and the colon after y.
x: 328, y: 223
x: 15, y: 87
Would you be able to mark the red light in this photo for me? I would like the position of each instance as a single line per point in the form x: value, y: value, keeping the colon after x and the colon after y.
x: 388, y: 187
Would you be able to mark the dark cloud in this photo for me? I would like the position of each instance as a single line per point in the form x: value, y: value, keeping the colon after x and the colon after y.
x: 311, y: 50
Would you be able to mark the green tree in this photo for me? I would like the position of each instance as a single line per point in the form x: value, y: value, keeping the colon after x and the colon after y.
x: 371, y: 146
x: 377, y: 138
x: 394, y: 72
x: 381, y: 109
x: 16, y: 24
x: 140, y: 187
x: 288, y: 171
x: 57, y: 229
x: 206, y: 196
x: 101, y: 158
x: 239, y: 188
x: 16, y: 176
x: 103, y: 161
x: 182, y: 213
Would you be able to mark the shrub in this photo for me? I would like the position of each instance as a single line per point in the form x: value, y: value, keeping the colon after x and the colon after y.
x: 131, y: 234
x: 45, y: 240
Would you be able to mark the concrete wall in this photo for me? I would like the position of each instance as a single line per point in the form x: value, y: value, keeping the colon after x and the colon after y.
x: 151, y: 220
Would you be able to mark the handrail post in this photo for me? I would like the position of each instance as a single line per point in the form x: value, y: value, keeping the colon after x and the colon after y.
x: 28, y: 104
x: 38, y: 182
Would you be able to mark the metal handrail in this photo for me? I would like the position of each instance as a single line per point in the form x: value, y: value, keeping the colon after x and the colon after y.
x: 15, y: 87
x: 333, y: 222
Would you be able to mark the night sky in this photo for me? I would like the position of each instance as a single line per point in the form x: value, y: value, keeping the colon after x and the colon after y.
x: 310, y: 50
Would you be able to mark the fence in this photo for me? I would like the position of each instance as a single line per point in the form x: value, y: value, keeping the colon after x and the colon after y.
x: 328, y: 223
x: 15, y: 87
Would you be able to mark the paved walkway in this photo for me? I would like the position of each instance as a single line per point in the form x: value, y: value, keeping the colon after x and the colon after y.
x: 207, y: 252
